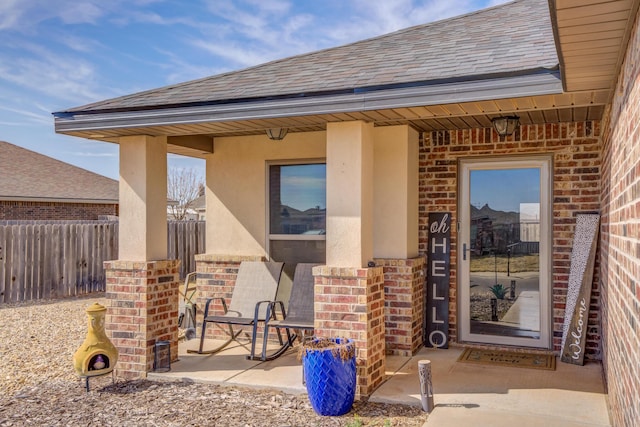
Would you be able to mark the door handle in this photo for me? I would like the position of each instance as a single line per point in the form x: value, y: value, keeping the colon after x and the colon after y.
x: 464, y: 251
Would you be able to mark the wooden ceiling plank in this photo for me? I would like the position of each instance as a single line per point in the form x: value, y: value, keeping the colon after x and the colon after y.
x: 594, y: 36
x: 488, y: 107
x: 506, y: 105
x: 544, y: 102
x: 579, y: 53
x: 524, y: 103
x: 596, y: 27
x: 589, y: 20
x: 407, y: 113
x: 580, y: 114
x: 586, y: 47
x: 551, y: 116
x: 598, y: 9
x: 565, y: 114
x: 595, y: 112
x: 566, y: 4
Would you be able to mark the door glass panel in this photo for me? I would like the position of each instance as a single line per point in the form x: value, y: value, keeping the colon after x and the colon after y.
x: 504, y: 252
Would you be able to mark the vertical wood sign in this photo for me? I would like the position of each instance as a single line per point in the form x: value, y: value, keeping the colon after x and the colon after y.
x: 437, y: 295
x: 576, y: 317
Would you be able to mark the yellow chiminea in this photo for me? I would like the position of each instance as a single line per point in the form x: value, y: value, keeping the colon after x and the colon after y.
x: 97, y: 355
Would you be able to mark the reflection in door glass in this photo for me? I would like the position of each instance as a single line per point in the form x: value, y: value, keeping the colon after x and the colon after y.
x: 504, y: 294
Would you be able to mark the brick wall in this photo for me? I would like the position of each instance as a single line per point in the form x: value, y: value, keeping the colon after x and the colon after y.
x: 142, y: 307
x: 620, y: 242
x: 403, y: 304
x: 16, y: 210
x: 576, y: 189
x: 349, y: 303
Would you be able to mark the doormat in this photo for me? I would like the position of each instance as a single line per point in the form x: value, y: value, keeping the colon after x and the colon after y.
x: 508, y: 358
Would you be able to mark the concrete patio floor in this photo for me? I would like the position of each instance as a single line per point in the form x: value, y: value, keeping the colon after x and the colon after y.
x: 464, y: 394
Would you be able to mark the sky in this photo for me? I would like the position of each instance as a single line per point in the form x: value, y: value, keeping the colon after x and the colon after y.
x: 60, y: 54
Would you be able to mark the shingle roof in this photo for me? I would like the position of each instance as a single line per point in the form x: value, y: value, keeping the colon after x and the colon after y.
x: 502, y: 40
x: 26, y: 174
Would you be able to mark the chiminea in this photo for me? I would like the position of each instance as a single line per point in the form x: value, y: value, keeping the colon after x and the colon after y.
x: 97, y: 355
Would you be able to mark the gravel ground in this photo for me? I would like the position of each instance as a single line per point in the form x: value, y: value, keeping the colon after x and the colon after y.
x: 40, y: 387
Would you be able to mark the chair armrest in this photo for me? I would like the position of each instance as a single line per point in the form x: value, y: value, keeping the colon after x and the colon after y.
x: 272, y: 311
x: 206, y: 307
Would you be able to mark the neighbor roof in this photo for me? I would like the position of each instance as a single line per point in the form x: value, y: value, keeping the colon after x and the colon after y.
x: 506, y: 40
x: 27, y: 175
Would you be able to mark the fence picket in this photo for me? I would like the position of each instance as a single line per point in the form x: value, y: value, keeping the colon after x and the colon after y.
x: 4, y: 297
x: 54, y: 259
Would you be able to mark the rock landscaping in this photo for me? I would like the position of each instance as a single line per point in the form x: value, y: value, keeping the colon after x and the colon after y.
x: 40, y: 387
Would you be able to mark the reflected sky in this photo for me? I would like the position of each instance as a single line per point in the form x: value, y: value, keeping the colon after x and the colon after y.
x: 505, y: 189
x: 304, y: 186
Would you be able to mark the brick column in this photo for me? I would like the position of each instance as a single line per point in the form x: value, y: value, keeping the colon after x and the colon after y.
x: 404, y: 300
x: 349, y: 303
x: 216, y: 278
x: 142, y: 307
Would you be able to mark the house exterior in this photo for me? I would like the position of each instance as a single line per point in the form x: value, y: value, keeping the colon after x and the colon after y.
x: 395, y: 133
x: 37, y: 187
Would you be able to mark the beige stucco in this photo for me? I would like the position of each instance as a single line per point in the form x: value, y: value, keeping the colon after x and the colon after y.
x: 237, y: 187
x: 372, y: 191
x: 349, y: 194
x: 395, y: 214
x: 143, y: 198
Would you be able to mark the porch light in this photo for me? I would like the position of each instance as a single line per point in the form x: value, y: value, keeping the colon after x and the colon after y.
x: 505, y: 125
x: 277, y: 134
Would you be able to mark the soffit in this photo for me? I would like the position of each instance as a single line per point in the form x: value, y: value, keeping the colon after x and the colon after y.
x: 190, y: 138
x: 592, y: 37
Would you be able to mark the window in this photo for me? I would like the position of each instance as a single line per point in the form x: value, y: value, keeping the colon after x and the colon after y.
x: 297, y: 213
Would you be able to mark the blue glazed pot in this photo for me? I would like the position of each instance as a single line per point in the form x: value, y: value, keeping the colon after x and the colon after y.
x: 330, y: 380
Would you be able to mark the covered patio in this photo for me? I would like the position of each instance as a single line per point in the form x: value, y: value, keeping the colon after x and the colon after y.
x: 464, y: 394
x: 394, y: 124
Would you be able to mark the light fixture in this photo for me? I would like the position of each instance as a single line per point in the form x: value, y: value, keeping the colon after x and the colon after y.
x: 505, y: 125
x: 277, y: 134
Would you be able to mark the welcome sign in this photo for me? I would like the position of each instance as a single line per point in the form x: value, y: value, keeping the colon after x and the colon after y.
x: 583, y: 255
x: 437, y: 295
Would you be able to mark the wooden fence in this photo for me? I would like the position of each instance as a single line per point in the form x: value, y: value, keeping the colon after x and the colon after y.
x: 55, y: 259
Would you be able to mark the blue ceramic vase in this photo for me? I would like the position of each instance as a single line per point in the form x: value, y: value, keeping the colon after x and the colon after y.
x: 329, y: 366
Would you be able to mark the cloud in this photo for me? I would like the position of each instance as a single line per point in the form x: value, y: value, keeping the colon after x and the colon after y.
x: 91, y: 154
x: 24, y: 16
x: 41, y: 118
x: 64, y: 77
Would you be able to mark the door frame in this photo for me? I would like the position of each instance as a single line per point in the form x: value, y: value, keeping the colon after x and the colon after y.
x: 545, y: 164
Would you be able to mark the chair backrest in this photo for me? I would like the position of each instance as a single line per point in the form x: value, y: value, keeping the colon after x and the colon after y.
x: 256, y: 281
x: 301, y: 299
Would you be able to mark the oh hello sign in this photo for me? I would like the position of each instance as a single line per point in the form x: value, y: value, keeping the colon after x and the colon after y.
x: 438, y: 265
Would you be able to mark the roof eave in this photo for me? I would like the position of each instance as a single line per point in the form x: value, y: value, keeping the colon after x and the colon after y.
x: 525, y: 83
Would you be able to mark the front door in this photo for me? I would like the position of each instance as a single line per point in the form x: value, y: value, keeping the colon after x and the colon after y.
x: 503, y: 251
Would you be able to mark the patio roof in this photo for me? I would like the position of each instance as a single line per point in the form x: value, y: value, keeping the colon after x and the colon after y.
x: 452, y: 74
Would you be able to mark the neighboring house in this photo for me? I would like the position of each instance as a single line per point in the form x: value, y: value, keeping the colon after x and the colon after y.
x: 385, y: 132
x: 195, y: 211
x: 36, y: 187
x: 199, y: 206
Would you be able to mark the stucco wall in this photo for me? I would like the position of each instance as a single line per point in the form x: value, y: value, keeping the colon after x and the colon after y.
x: 576, y: 189
x: 620, y: 243
x: 237, y: 187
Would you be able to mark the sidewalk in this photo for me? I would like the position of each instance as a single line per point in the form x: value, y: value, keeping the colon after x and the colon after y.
x: 464, y: 394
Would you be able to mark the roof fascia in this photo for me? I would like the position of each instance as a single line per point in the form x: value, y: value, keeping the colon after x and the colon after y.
x: 537, y: 82
x: 556, y: 39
